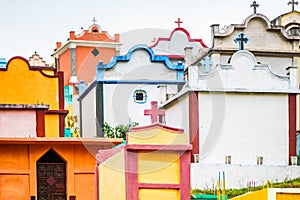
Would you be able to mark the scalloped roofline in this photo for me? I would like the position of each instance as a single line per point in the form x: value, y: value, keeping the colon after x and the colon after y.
x: 185, y: 32
x: 245, y: 23
x: 90, y: 30
x: 153, y: 58
x: 285, y: 14
x: 33, y: 68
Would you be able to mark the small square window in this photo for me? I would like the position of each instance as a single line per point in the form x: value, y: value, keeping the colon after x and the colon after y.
x: 140, y: 96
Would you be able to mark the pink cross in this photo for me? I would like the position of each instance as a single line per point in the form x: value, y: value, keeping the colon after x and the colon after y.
x: 154, y: 112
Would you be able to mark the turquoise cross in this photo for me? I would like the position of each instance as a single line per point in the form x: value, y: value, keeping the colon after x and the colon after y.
x: 241, y: 38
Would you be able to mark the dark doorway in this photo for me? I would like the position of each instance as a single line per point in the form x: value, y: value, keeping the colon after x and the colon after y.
x: 51, y: 177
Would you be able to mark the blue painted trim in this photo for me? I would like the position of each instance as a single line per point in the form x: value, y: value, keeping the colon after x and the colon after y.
x: 153, y: 58
x: 146, y: 82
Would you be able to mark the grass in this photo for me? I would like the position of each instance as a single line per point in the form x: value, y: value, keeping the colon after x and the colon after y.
x: 294, y: 183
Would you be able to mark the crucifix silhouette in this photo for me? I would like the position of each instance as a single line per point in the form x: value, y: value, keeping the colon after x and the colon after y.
x: 154, y: 112
x: 255, y: 6
x: 241, y: 38
x: 94, y: 20
x: 178, y: 22
x: 293, y: 2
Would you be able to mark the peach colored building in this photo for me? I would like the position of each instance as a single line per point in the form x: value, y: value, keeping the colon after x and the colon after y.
x: 78, y: 57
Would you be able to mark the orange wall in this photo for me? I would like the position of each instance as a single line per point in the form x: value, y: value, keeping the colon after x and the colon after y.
x: 87, y: 62
x: 287, y: 196
x: 18, y: 169
x: 65, y: 65
x: 14, y: 187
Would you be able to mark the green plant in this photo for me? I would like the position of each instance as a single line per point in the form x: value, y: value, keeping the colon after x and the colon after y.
x: 109, y: 131
x: 119, y: 131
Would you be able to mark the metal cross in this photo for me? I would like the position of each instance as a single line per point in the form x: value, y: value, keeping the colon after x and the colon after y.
x: 255, y: 6
x: 293, y: 2
x: 241, y: 38
x: 178, y: 22
x: 207, y: 63
x: 154, y: 112
x: 94, y: 20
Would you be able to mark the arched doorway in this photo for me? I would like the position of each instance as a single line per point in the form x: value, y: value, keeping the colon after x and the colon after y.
x: 51, y: 177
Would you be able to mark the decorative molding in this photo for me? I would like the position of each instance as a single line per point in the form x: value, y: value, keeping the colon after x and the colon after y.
x: 200, y: 41
x: 153, y: 58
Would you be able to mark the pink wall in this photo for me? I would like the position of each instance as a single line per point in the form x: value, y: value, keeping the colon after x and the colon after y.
x: 16, y: 123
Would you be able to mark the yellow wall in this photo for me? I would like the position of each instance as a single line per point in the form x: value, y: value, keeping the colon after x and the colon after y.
x: 112, y: 178
x: 261, y: 195
x: 159, y: 167
x: 22, y: 85
x: 165, y: 194
x: 19, y: 85
x: 51, y: 125
x: 156, y: 136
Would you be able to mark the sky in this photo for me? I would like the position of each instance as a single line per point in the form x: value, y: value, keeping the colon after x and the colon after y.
x: 36, y: 25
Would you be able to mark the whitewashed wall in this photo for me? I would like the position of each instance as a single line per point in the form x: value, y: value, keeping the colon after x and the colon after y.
x: 244, y: 126
x: 89, y: 115
x: 120, y: 107
x: 204, y: 176
x: 177, y: 114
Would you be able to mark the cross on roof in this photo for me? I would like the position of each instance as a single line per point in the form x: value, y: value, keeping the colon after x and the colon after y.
x: 255, y: 6
x: 207, y: 63
x: 178, y: 22
x: 293, y: 2
x: 154, y: 112
x: 94, y: 20
x: 241, y: 38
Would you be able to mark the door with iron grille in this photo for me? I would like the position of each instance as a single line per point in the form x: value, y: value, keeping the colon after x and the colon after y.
x: 51, y: 177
